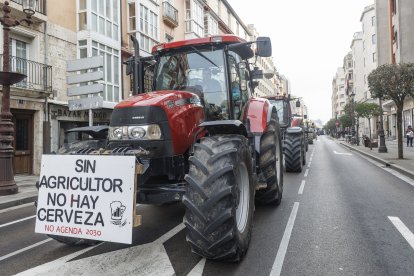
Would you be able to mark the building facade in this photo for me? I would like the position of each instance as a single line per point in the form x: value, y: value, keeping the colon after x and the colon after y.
x: 395, y: 23
x: 338, y: 98
x: 68, y: 30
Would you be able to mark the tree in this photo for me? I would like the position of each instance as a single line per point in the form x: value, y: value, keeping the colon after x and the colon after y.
x: 393, y: 82
x: 346, y: 120
x: 367, y: 110
x: 330, y: 126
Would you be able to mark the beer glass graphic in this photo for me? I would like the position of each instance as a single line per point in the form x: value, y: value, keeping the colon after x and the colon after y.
x: 117, y: 210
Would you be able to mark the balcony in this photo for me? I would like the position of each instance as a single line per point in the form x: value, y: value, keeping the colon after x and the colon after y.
x: 170, y: 15
x: 39, y: 76
x: 40, y: 5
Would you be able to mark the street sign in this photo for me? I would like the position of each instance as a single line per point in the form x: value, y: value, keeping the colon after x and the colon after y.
x: 85, y: 77
x: 83, y: 197
x: 86, y: 103
x: 84, y: 64
x: 85, y: 89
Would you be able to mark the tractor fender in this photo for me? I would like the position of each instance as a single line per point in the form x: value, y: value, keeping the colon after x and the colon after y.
x: 259, y: 112
x: 294, y: 130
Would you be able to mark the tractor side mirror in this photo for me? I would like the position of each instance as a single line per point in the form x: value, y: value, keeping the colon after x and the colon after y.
x: 297, y: 103
x: 129, y: 68
x: 261, y: 74
x: 264, y: 46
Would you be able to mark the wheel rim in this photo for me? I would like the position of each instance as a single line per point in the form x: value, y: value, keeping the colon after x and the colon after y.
x: 242, y: 211
x: 278, y: 163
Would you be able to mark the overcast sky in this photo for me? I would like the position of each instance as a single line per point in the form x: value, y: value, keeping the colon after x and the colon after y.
x: 310, y: 39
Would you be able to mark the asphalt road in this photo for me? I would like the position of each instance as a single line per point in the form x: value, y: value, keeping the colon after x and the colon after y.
x: 343, y: 215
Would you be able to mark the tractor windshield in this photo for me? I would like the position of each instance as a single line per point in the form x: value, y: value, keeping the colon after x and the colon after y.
x: 198, y: 71
x: 282, y: 110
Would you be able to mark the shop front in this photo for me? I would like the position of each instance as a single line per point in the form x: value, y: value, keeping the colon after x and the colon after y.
x: 62, y: 119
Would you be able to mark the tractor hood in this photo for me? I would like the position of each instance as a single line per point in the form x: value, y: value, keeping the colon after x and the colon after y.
x: 165, y: 98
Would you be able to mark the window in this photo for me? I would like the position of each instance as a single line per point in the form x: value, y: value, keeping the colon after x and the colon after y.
x: 373, y: 21
x: 212, y: 26
x: 374, y: 57
x: 194, y: 18
x: 148, y: 26
x: 20, y: 50
x: 105, y: 19
x: 394, y: 6
x: 168, y: 38
x: 132, y: 17
x: 396, y: 39
x: 374, y: 39
x: 111, y: 68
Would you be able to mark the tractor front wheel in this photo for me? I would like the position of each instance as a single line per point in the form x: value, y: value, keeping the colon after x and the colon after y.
x: 219, y: 199
x: 293, y: 153
x: 271, y: 165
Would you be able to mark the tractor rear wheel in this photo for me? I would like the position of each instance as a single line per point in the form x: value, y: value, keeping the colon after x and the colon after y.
x: 293, y: 153
x: 219, y: 199
x: 271, y: 165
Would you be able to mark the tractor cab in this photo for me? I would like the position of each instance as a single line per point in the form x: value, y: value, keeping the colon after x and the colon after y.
x: 214, y: 68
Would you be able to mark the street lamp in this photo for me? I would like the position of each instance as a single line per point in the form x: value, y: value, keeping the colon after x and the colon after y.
x: 354, y: 131
x: 382, y: 147
x: 7, y: 78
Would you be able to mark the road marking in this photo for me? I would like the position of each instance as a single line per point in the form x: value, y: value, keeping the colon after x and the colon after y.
x: 280, y: 257
x: 2, y: 258
x: 16, y: 221
x: 309, y: 165
x: 135, y: 260
x: 405, y: 232
x: 17, y: 207
x: 306, y: 172
x: 302, y: 186
x: 389, y: 170
x: 342, y: 153
x: 310, y: 159
x: 198, y: 269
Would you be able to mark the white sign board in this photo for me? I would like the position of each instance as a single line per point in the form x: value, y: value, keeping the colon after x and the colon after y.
x: 86, y: 103
x: 84, y: 63
x: 84, y: 196
x: 85, y: 89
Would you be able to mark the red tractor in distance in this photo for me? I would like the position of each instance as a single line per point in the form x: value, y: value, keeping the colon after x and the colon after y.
x: 295, y: 141
x: 202, y: 138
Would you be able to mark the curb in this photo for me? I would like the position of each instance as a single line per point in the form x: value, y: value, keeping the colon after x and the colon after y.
x: 17, y: 202
x: 382, y: 161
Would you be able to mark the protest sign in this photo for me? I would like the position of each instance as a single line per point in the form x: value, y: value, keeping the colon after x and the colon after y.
x: 87, y: 196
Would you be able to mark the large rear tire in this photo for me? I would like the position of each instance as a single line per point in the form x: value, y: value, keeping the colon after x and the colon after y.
x: 271, y: 165
x: 219, y: 199
x: 293, y: 153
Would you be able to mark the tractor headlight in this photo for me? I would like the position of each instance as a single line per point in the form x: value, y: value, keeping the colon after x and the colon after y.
x: 147, y: 132
x: 115, y: 133
x: 153, y: 132
x: 136, y: 132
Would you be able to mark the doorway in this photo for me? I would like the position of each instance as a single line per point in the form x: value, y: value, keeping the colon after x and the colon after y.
x: 23, y: 141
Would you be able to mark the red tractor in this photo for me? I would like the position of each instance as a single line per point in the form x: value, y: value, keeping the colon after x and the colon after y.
x: 202, y: 138
x: 295, y: 141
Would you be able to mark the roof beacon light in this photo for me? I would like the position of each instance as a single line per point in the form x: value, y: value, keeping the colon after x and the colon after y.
x: 159, y: 47
x: 216, y: 39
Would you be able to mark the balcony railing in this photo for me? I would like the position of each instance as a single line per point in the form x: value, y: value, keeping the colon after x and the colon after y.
x: 40, y: 5
x: 39, y: 76
x: 170, y: 14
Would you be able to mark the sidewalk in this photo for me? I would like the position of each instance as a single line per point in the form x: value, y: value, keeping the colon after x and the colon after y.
x: 27, y: 191
x: 390, y: 159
